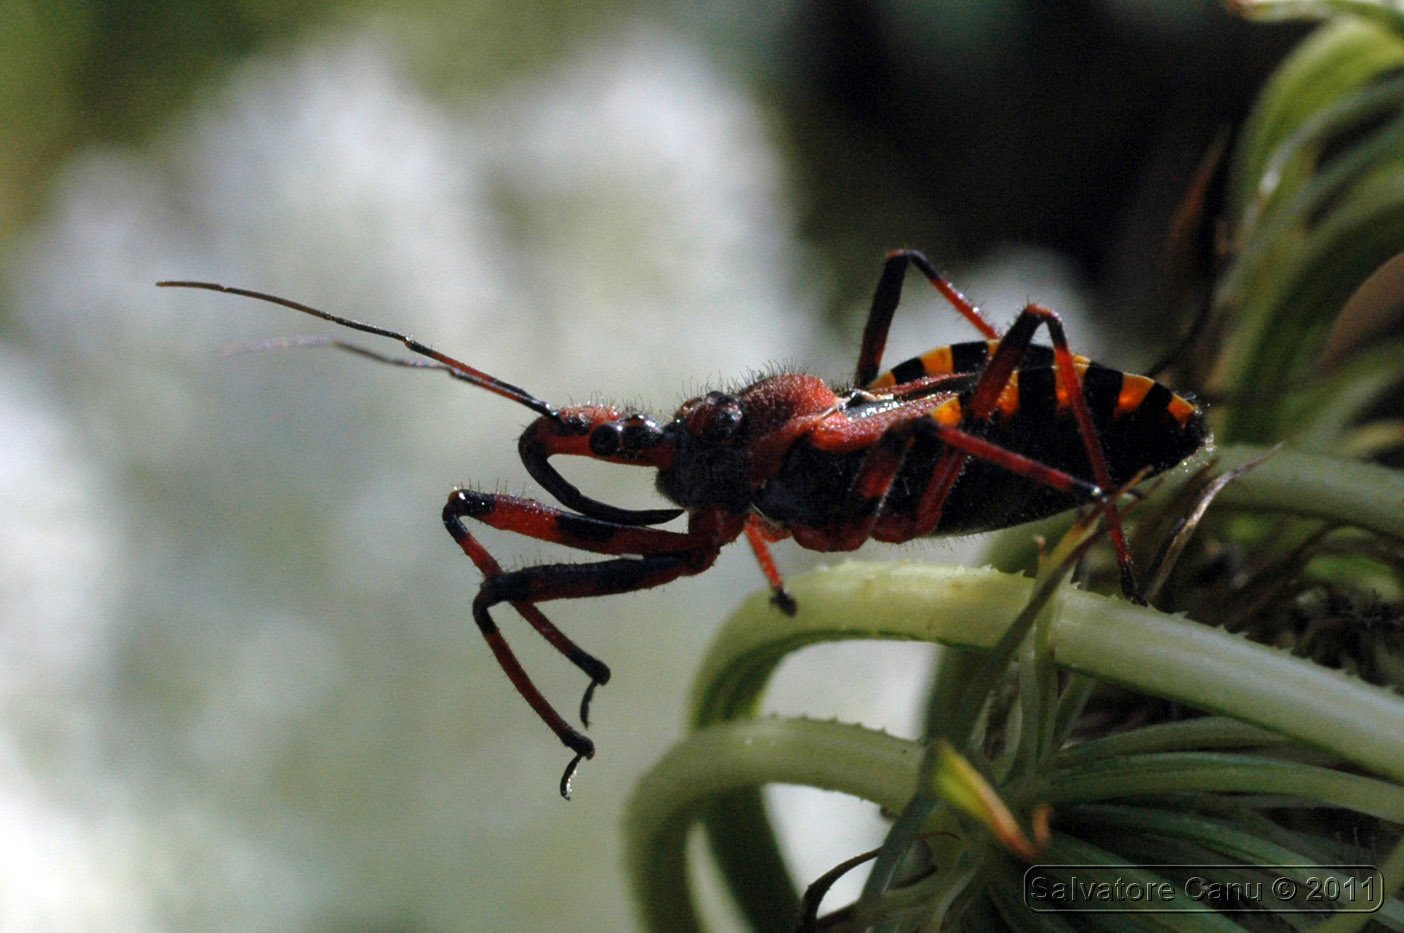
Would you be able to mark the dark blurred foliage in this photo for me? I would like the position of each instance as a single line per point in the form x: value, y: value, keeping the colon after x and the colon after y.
x: 952, y: 127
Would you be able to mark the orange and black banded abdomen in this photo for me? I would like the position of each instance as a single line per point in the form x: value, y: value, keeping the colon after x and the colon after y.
x: 957, y: 358
x: 1141, y: 425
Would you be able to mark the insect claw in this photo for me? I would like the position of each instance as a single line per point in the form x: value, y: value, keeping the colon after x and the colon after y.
x: 585, y: 702
x: 569, y: 775
x: 1130, y: 589
x: 781, y: 599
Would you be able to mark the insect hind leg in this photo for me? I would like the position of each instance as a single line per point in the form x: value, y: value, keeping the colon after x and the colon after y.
x: 1007, y: 356
x: 886, y: 298
x: 1031, y: 317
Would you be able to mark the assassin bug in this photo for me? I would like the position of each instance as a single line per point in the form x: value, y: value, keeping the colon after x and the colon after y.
x: 969, y: 437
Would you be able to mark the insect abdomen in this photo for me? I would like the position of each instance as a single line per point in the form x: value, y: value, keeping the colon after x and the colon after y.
x: 1141, y: 426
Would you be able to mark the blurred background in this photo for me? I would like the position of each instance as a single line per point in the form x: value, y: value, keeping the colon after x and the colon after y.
x: 239, y: 685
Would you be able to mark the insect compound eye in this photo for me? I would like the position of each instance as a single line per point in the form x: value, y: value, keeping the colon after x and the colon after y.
x: 725, y: 418
x: 605, y: 440
x: 641, y: 435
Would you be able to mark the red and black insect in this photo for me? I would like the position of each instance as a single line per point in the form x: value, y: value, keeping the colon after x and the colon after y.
x: 968, y: 437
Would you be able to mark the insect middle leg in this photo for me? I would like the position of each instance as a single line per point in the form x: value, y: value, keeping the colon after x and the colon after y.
x: 862, y: 505
x: 665, y: 556
x: 759, y: 535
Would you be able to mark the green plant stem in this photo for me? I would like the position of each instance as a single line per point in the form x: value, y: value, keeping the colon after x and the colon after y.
x: 1205, y: 732
x: 1175, y: 772
x: 1107, y: 638
x: 742, y: 755
x: 1314, y: 485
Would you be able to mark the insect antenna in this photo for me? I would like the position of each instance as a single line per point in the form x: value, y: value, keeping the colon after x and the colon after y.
x: 455, y: 368
x: 265, y: 344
